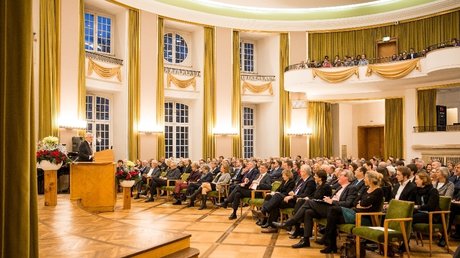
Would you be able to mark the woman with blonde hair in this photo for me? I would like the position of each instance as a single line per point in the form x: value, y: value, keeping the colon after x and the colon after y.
x: 222, y: 178
x: 369, y: 201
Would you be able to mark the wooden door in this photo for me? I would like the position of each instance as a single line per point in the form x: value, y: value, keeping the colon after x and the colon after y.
x: 387, y: 49
x: 370, y: 141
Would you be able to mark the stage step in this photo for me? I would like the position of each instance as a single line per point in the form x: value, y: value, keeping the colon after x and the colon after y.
x: 185, y: 253
x: 166, y: 249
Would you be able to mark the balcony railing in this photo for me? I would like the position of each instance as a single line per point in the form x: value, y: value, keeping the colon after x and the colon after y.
x: 379, y: 60
x: 103, y: 58
x: 448, y: 128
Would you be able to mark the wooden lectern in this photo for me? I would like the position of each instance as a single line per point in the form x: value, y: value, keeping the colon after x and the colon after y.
x: 93, y: 183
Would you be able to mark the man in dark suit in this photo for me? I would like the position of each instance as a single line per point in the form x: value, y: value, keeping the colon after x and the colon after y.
x: 412, y: 54
x: 261, y: 181
x: 343, y: 197
x: 305, y: 187
x: 405, y: 190
x: 85, y: 152
x: 358, y: 183
x: 276, y: 171
x: 173, y: 174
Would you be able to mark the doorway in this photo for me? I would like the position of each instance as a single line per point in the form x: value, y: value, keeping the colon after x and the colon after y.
x: 370, y: 141
x: 387, y: 49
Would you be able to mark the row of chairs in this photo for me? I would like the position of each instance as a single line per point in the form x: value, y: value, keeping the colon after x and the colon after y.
x: 397, y: 225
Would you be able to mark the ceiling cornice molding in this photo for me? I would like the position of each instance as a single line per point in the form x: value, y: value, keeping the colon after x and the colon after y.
x: 310, y: 25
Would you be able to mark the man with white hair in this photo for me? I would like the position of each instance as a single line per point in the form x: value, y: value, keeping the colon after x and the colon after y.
x: 172, y: 174
x: 85, y: 152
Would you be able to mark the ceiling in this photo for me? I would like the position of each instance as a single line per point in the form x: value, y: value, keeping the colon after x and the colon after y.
x: 290, y: 3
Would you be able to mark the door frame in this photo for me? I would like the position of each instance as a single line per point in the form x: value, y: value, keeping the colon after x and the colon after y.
x: 378, y: 42
x: 360, y: 131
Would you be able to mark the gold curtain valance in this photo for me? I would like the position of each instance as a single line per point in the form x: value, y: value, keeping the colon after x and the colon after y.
x: 104, y: 72
x: 335, y: 76
x: 257, y: 88
x: 181, y: 83
x: 394, y: 70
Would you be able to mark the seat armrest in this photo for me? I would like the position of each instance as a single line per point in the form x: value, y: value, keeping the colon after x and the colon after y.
x: 373, y: 214
x: 253, y: 193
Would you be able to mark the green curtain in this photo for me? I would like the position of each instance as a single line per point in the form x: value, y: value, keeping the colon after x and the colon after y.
x: 426, y: 110
x: 133, y: 84
x: 49, y: 69
x: 209, y: 93
x: 160, y: 90
x: 394, y: 140
x: 236, y: 103
x: 18, y: 175
x: 81, y: 66
x: 417, y: 34
x: 284, y: 107
x: 320, y: 122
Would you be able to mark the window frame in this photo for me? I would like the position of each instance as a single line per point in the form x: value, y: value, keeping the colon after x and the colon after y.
x: 174, y: 124
x: 188, y: 40
x: 94, y: 122
x: 96, y: 30
x: 253, y: 127
x: 242, y: 42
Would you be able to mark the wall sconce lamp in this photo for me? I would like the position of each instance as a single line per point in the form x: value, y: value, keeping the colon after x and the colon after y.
x: 145, y: 129
x: 72, y: 124
x: 224, y: 131
x: 299, y: 132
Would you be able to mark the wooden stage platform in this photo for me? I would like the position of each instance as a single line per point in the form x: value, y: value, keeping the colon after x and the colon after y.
x: 66, y: 230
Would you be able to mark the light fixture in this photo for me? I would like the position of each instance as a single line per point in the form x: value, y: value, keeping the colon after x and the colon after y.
x: 299, y: 131
x: 224, y: 131
x: 72, y: 124
x: 149, y: 129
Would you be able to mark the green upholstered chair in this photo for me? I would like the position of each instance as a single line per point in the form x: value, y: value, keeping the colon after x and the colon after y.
x: 258, y: 202
x: 170, y: 188
x: 396, y: 226
x: 285, y: 212
x: 218, y: 195
x: 429, y: 228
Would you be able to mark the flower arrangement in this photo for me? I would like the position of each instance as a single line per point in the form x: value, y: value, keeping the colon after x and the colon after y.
x: 49, y: 149
x: 127, y: 171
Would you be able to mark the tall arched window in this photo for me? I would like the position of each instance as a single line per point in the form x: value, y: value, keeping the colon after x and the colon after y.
x: 176, y: 130
x: 248, y: 132
x: 98, y: 118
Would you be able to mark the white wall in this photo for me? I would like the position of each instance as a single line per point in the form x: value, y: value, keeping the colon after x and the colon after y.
x: 345, y: 126
x: 335, y: 130
x: 297, y: 47
x: 267, y: 117
x: 148, y: 82
x: 366, y: 114
x: 70, y: 27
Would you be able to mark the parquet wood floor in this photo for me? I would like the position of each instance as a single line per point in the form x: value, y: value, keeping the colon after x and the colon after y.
x: 68, y: 231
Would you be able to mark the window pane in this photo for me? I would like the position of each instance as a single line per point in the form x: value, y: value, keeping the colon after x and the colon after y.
x: 181, y: 49
x: 89, y: 31
x: 104, y: 31
x: 168, y: 47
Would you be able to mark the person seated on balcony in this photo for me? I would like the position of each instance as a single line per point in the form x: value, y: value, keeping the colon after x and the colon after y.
x: 222, y: 178
x: 363, y: 61
x: 443, y: 185
x: 370, y: 201
x: 194, y: 176
x: 403, y: 56
x: 194, y: 188
x: 455, y: 42
x: 337, y: 62
x: 326, y: 62
x: 412, y: 54
x: 394, y: 58
x: 172, y: 174
x: 357, y: 59
x: 253, y: 181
